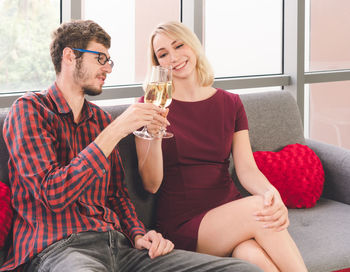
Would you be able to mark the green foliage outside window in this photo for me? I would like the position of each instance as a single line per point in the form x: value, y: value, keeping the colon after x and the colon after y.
x: 25, y: 35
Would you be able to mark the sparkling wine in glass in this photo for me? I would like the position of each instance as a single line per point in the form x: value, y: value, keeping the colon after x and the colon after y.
x: 159, y: 93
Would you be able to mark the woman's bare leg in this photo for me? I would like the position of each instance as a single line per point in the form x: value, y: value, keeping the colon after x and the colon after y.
x: 225, y: 227
x: 252, y: 252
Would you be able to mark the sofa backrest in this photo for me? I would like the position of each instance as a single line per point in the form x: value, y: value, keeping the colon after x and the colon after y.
x: 144, y: 202
x: 274, y: 122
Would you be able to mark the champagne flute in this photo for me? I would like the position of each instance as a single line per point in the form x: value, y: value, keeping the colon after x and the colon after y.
x: 166, y: 99
x: 158, y: 92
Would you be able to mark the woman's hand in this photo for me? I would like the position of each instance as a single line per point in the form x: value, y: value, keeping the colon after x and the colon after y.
x: 158, y: 124
x: 155, y: 243
x: 274, y: 214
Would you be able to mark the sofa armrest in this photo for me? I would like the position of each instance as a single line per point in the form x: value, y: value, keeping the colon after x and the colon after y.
x: 336, y: 165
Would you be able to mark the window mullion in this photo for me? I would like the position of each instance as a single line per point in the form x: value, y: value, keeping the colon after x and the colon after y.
x: 72, y: 9
x: 294, y: 49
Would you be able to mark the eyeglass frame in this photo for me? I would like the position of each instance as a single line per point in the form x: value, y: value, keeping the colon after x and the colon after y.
x: 110, y: 62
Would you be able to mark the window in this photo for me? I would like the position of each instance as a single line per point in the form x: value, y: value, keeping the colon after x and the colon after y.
x: 25, y: 28
x: 326, y: 55
x: 244, y: 37
x: 330, y: 113
x: 130, y: 23
x: 327, y: 24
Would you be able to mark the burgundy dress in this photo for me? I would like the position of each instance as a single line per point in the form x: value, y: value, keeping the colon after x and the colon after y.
x: 196, y: 161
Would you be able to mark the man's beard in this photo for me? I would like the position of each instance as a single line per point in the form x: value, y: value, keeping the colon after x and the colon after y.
x: 90, y: 90
x: 80, y: 75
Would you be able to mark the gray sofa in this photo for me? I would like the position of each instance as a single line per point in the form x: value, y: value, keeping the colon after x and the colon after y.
x: 322, y: 233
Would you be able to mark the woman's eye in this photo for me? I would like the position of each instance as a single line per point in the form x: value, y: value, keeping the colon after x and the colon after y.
x: 180, y: 45
x: 162, y: 55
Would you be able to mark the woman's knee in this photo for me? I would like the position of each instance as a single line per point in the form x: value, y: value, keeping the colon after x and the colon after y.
x: 246, y: 251
x: 251, y: 251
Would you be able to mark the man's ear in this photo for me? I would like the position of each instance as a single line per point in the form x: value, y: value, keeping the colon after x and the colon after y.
x: 68, y: 56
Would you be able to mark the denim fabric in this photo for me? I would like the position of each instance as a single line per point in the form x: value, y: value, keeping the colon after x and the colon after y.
x: 112, y: 251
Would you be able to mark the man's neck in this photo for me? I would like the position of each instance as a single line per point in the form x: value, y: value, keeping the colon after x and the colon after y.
x: 73, y: 94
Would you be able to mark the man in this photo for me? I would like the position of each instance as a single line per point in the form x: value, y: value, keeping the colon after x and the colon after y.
x: 73, y: 212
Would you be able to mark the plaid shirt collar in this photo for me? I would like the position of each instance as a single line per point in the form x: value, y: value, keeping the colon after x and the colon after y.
x: 63, y: 107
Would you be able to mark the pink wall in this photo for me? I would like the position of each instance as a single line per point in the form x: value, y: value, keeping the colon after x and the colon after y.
x: 330, y: 50
x: 147, y: 17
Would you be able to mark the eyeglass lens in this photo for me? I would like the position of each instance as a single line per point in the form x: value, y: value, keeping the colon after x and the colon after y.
x: 102, y: 59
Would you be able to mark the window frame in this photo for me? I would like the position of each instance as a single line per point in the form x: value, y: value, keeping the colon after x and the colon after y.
x: 293, y: 77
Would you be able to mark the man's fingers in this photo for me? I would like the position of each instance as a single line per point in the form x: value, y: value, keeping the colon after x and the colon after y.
x: 169, y: 247
x: 144, y: 243
x: 154, y: 238
x: 161, y: 246
x: 155, y: 243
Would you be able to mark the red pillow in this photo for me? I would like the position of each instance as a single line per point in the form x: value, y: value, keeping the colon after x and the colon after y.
x: 296, y: 172
x: 5, y: 213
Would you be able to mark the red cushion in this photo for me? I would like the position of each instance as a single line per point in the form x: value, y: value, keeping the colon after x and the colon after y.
x: 296, y: 172
x: 5, y: 213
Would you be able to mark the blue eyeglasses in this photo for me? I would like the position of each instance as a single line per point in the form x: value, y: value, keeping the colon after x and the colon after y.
x: 102, y: 57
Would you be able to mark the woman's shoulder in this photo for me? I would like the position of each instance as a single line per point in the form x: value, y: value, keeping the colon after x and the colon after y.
x: 229, y: 96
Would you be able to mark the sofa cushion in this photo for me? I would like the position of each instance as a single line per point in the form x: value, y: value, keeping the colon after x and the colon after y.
x: 322, y: 235
x: 296, y: 172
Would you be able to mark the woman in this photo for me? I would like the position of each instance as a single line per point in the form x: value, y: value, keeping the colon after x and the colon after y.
x: 199, y: 207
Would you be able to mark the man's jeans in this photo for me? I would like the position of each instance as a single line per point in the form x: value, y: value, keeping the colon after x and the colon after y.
x: 112, y: 251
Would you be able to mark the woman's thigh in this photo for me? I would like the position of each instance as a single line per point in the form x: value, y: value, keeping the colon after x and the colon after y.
x: 226, y: 226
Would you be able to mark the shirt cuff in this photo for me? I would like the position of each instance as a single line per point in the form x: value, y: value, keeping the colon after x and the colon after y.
x: 134, y: 233
x: 94, y: 158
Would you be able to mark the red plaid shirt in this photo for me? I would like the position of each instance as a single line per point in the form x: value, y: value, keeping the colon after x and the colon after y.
x: 61, y: 182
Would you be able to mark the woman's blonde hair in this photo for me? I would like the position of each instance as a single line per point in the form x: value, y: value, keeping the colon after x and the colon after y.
x: 177, y: 30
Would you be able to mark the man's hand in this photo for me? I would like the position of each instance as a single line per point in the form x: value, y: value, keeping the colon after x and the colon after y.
x: 140, y: 114
x: 155, y: 243
x: 134, y: 117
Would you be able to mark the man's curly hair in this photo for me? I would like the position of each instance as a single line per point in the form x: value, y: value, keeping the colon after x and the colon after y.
x: 76, y: 34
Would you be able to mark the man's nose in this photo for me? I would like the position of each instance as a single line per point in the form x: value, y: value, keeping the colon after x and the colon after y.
x: 107, y: 67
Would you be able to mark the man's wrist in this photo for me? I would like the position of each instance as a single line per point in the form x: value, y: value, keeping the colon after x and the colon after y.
x: 137, y: 237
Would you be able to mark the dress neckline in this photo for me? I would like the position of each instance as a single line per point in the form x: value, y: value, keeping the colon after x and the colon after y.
x: 199, y: 101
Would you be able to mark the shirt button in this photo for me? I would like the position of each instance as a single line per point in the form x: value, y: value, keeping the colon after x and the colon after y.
x: 104, y: 171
